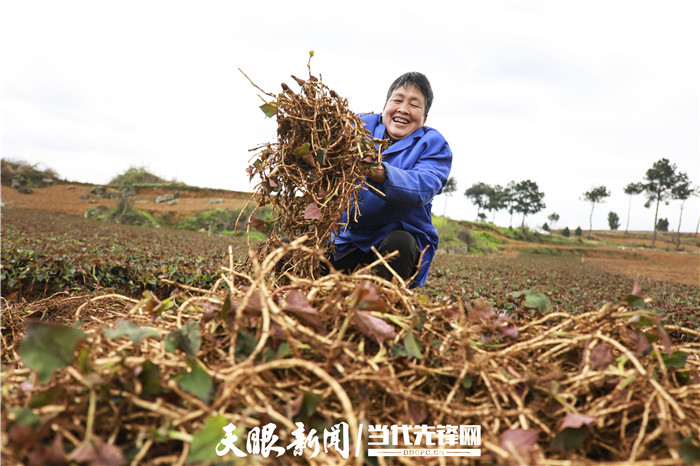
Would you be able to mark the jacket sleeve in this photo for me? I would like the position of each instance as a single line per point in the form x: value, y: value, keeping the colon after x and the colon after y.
x: 418, y: 185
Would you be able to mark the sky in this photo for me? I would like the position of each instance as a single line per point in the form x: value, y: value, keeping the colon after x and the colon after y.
x: 568, y: 94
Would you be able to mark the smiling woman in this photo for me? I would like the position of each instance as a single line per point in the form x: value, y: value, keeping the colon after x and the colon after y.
x: 404, y: 112
x: 396, y: 214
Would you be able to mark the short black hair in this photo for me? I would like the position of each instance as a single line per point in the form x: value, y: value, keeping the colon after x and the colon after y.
x: 414, y: 78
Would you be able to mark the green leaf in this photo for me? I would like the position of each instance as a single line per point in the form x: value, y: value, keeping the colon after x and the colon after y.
x: 164, y: 306
x: 132, y: 330
x: 321, y: 156
x: 302, y: 150
x: 689, y: 451
x: 47, y: 347
x: 675, y: 359
x: 54, y: 395
x: 150, y: 379
x: 187, y: 339
x: 26, y: 417
x: 398, y: 350
x: 412, y: 346
x: 245, y: 344
x: 624, y: 383
x: 467, y: 381
x: 204, y: 442
x: 309, y: 403
x: 643, y: 321
x: 269, y: 109
x: 532, y: 300
x: 569, y: 438
x: 226, y: 307
x: 84, y: 362
x: 197, y: 381
x: 536, y: 300
x: 635, y: 301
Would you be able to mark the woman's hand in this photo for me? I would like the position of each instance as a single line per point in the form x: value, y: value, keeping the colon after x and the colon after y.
x: 377, y: 174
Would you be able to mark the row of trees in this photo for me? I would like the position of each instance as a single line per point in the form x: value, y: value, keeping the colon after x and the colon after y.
x: 523, y: 197
x: 661, y: 183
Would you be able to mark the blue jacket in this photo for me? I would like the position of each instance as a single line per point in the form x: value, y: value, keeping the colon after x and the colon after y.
x: 417, y: 168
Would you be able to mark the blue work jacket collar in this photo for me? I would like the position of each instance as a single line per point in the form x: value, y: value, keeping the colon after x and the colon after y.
x: 401, y: 144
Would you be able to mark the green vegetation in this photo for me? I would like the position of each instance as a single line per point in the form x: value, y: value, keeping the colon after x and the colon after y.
x: 45, y: 253
x: 226, y: 222
x: 136, y: 176
x: 463, y: 237
x: 570, y: 285
x: 22, y: 175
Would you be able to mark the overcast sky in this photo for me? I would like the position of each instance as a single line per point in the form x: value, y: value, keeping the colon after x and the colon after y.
x: 567, y: 94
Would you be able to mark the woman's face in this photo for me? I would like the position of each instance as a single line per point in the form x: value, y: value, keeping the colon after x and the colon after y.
x: 404, y: 112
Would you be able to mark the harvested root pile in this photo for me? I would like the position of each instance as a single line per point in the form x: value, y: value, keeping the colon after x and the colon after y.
x: 314, y: 171
x: 607, y: 385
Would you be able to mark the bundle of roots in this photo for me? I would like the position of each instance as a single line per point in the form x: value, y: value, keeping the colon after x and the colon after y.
x: 314, y: 172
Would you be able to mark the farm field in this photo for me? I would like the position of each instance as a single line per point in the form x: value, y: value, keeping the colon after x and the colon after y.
x: 160, y: 389
x: 68, y: 253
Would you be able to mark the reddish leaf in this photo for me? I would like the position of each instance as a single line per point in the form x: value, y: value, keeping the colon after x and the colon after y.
x: 574, y: 421
x: 665, y: 340
x: 368, y: 299
x: 256, y: 224
x: 152, y: 302
x: 54, y: 454
x: 640, y: 342
x: 22, y: 435
x: 520, y: 440
x: 637, y: 290
x: 418, y: 412
x: 601, y: 357
x: 510, y: 332
x: 276, y: 332
x: 98, y: 453
x: 480, y: 311
x: 374, y: 327
x: 297, y: 303
x: 308, y: 158
x: 254, y: 303
x: 254, y: 307
x: 312, y: 212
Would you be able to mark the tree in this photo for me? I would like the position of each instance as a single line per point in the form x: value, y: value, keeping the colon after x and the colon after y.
x: 509, y: 200
x: 566, y: 232
x: 595, y: 195
x: 578, y: 231
x: 553, y: 218
x: 498, y: 199
x: 478, y: 193
x: 632, y: 189
x: 449, y: 189
x: 528, y: 199
x: 662, y: 225
x: 681, y: 192
x: 658, y: 182
x: 613, y: 221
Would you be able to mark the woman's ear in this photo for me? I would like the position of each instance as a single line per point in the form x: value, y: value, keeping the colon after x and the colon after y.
x: 425, y: 118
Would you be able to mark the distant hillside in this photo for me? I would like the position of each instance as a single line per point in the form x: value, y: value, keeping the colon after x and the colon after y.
x: 25, y: 177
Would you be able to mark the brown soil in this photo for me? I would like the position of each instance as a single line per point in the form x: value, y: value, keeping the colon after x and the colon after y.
x: 65, y: 198
x: 631, y: 254
x: 628, y: 254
